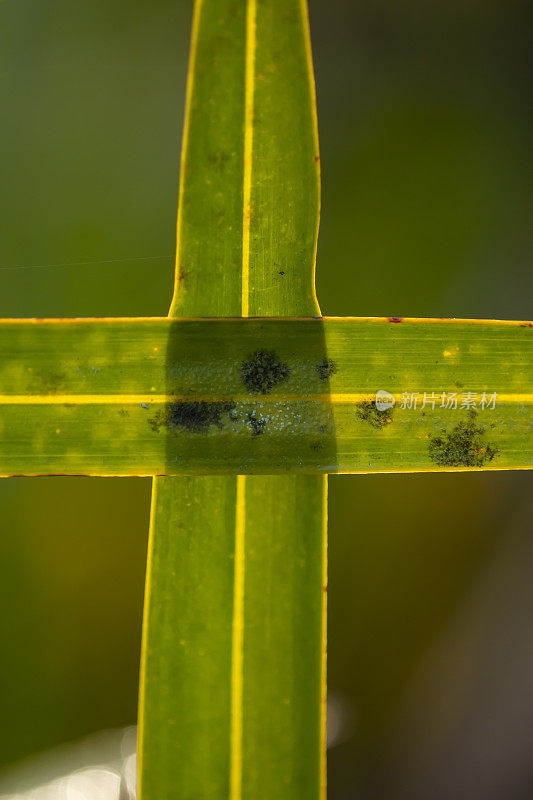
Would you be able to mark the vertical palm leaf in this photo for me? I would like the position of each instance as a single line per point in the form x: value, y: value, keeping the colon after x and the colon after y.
x: 232, y: 693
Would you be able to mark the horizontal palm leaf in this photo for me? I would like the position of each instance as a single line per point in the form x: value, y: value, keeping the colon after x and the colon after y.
x: 160, y: 396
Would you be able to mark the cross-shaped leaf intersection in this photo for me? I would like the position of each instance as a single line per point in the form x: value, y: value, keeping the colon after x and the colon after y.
x: 233, y: 672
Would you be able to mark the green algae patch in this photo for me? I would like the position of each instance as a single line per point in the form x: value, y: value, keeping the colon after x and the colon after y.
x: 464, y: 446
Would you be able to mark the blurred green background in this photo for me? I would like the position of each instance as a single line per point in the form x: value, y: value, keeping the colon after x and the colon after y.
x: 425, y: 129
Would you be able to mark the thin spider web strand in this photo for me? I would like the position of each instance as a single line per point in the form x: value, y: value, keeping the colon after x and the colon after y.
x: 86, y: 263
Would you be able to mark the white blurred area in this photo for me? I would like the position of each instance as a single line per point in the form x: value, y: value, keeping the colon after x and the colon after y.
x: 83, y: 785
x: 103, y: 766
x: 341, y: 719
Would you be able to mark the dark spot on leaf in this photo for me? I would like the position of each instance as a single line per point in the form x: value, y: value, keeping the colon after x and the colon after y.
x: 458, y: 384
x: 326, y: 368
x: 182, y: 274
x: 323, y: 429
x: 395, y: 319
x: 463, y: 446
x: 526, y: 324
x: 262, y: 371
x: 256, y: 424
x: 45, y: 382
x: 367, y: 412
x: 195, y: 417
x: 281, y: 272
x: 316, y: 445
x: 218, y: 159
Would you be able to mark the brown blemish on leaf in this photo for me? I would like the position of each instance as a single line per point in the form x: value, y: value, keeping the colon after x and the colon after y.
x: 395, y: 319
x: 194, y: 417
x: 182, y: 274
x: 463, y: 446
x: 262, y: 371
x: 326, y: 368
x: 368, y: 412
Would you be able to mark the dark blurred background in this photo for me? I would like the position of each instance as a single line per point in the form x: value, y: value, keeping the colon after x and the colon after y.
x: 425, y: 129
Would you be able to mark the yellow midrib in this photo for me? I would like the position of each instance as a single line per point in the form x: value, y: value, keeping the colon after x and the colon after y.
x: 338, y: 398
x: 236, y: 731
x: 237, y: 642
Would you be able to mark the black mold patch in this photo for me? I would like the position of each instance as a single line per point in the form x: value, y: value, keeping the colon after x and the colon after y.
x: 326, y: 368
x: 257, y: 425
x: 463, y: 446
x: 195, y: 417
x: 262, y: 371
x: 368, y: 412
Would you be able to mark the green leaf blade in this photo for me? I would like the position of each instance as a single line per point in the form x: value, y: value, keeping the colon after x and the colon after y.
x: 92, y: 397
x: 259, y: 231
